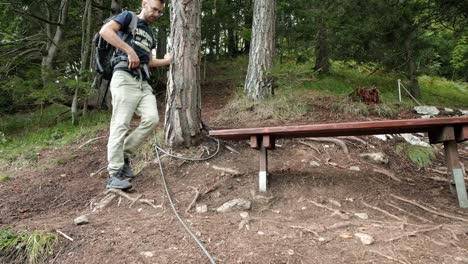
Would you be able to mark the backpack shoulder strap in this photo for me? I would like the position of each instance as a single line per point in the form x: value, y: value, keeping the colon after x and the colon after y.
x: 133, y: 24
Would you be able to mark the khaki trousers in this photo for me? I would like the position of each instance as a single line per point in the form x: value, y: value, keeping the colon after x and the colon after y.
x: 129, y: 96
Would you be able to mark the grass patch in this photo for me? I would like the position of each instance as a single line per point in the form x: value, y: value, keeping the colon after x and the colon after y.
x: 284, y: 105
x: 441, y: 92
x: 4, y: 178
x: 24, y: 247
x: 419, y: 155
x: 22, y: 142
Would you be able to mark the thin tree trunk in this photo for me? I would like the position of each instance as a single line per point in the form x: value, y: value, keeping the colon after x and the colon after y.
x: 259, y: 82
x: 322, y: 50
x: 52, y: 49
x: 183, y: 99
x: 412, y: 69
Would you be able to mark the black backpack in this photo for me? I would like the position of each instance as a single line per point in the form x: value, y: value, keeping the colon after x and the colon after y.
x: 105, y: 51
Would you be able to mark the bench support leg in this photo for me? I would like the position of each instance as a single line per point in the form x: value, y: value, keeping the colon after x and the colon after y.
x: 263, y: 173
x: 453, y: 168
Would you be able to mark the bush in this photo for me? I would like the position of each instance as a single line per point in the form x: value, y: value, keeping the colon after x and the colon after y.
x: 419, y: 155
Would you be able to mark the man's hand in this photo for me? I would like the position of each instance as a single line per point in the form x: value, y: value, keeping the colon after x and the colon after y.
x: 133, y: 60
x: 168, y: 58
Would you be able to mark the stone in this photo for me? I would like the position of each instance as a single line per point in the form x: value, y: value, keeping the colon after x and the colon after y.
x: 448, y: 110
x: 244, y: 215
x: 354, y: 168
x: 461, y: 259
x: 464, y: 112
x: 346, y: 235
x: 314, y: 164
x: 414, y: 140
x: 427, y: 110
x: 234, y: 205
x: 201, y: 208
x: 381, y: 137
x: 147, y: 254
x: 81, y: 220
x: 334, y: 202
x: 378, y: 157
x: 363, y: 216
x: 365, y: 238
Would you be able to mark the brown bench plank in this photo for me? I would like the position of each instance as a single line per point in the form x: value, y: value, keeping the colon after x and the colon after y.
x: 347, y: 129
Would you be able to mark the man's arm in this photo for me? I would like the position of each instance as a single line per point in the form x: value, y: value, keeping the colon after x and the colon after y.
x: 109, y: 33
x: 160, y: 62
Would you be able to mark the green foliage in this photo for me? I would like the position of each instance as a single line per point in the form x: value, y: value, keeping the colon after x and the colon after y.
x: 27, y: 133
x: 4, y: 178
x: 419, y: 155
x: 33, y: 247
x: 349, y: 107
x: 442, y: 92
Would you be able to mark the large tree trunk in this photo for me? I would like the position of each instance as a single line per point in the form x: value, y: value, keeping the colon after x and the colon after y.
x: 54, y: 41
x: 183, y: 99
x: 259, y: 82
x: 322, y: 50
x: 412, y: 69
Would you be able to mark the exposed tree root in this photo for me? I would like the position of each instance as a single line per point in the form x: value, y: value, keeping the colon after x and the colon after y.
x: 382, y: 211
x: 413, y: 215
x: 413, y: 233
x: 387, y: 257
x: 336, y: 141
x: 429, y: 210
x: 387, y: 173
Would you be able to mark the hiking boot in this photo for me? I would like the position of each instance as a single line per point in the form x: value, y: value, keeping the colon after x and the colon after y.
x: 118, y: 181
x: 127, y: 170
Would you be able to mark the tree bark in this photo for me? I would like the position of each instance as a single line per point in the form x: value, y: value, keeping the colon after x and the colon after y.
x: 259, y: 82
x: 183, y: 99
x: 322, y: 50
x: 47, y: 59
x: 412, y: 68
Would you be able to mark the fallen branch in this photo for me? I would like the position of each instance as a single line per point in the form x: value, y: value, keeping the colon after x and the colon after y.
x: 64, y: 235
x: 429, y: 210
x: 89, y: 141
x: 413, y: 233
x: 133, y: 200
x: 105, y: 201
x: 387, y: 173
x: 98, y: 171
x: 382, y: 211
x: 226, y: 170
x: 336, y: 141
x: 194, y: 200
x: 388, y: 257
x: 335, y: 211
x: 231, y: 149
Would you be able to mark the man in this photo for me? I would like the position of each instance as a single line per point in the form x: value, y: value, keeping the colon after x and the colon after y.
x: 130, y: 90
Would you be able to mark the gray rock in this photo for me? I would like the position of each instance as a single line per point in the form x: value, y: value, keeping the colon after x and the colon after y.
x: 201, y: 208
x: 427, y: 110
x: 355, y: 168
x: 378, y: 157
x: 314, y: 164
x: 365, y: 238
x: 81, y: 220
x: 147, y: 254
x: 363, y: 216
x: 234, y: 205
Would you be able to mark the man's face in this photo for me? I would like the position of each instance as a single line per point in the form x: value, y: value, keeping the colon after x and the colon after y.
x: 152, y: 10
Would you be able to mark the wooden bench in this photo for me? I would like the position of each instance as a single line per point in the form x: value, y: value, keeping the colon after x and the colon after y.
x: 448, y: 131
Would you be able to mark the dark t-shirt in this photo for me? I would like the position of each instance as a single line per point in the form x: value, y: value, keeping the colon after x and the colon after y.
x: 142, y: 42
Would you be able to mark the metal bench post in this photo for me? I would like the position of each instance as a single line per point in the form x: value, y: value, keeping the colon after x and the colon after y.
x: 453, y: 167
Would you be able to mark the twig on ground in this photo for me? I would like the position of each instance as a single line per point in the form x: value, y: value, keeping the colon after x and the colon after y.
x: 231, y: 149
x: 413, y: 215
x: 126, y: 196
x: 382, y: 211
x: 105, y: 201
x: 387, y: 257
x: 362, y: 141
x: 336, y: 141
x: 413, y: 233
x: 194, y: 200
x: 89, y: 141
x: 98, y: 171
x: 305, y: 229
x: 311, y: 146
x: 428, y: 209
x: 227, y: 170
x: 335, y: 211
x: 387, y: 173
x: 136, y: 199
x: 64, y: 235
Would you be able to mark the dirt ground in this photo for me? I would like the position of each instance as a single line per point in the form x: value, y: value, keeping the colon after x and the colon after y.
x: 307, y: 215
